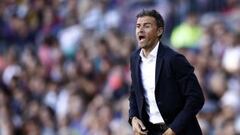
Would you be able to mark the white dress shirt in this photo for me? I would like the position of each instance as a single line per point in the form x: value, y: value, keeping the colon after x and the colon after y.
x: 148, y: 69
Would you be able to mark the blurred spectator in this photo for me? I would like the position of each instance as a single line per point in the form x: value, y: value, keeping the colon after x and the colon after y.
x: 187, y: 34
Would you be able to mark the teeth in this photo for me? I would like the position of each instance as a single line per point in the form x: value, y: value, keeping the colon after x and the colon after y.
x: 141, y: 37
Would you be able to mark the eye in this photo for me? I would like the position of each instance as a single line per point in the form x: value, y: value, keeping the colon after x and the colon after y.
x: 147, y: 26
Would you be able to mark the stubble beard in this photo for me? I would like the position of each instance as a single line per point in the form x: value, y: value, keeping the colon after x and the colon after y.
x: 143, y: 44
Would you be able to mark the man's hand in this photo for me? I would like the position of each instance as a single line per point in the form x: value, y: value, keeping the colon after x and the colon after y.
x: 169, y: 131
x: 138, y: 127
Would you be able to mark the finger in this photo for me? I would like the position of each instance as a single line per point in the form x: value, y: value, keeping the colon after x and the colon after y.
x: 140, y: 132
x: 166, y: 132
x: 143, y: 132
x: 136, y: 128
x: 141, y: 125
x: 135, y: 133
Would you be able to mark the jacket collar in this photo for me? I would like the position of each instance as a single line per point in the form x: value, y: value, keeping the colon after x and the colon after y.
x: 160, y: 54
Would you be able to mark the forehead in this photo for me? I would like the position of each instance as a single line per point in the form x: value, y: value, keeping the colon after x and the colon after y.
x: 146, y: 19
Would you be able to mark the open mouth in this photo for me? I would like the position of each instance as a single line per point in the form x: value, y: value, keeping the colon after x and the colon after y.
x: 141, y: 37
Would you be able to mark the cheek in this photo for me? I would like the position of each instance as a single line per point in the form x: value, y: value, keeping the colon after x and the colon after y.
x: 152, y: 34
x: 136, y: 32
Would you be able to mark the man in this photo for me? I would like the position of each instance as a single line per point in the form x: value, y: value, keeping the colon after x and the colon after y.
x: 165, y: 94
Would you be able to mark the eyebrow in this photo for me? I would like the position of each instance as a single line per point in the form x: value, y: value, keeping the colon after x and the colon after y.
x: 144, y: 23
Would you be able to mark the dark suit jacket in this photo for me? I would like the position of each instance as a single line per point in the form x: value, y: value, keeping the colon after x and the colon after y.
x: 178, y: 94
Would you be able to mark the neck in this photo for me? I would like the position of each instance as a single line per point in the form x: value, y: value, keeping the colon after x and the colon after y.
x: 146, y: 51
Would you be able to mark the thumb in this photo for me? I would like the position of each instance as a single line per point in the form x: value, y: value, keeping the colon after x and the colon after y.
x: 141, y: 125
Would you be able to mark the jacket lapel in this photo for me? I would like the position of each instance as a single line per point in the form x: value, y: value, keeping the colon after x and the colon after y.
x: 138, y: 74
x: 159, y: 62
x: 138, y: 78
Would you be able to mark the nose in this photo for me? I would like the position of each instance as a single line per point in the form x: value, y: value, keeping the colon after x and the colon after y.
x: 140, y: 30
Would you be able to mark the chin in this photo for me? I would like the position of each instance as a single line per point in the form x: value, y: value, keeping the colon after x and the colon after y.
x: 141, y: 45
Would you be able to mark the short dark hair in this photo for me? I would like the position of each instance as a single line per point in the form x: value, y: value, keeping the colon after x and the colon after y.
x: 152, y: 13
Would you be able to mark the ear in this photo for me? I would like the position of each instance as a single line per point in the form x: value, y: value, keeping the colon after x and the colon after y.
x: 160, y: 31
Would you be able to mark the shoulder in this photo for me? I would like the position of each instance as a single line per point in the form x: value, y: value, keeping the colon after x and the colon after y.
x: 135, y: 54
x: 169, y: 53
x: 174, y: 58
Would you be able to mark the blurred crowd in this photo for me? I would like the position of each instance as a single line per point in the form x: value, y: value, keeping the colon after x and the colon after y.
x: 64, y: 64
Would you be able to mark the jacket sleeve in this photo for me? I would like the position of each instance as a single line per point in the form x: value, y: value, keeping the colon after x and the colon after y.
x: 133, y: 110
x: 190, y: 89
